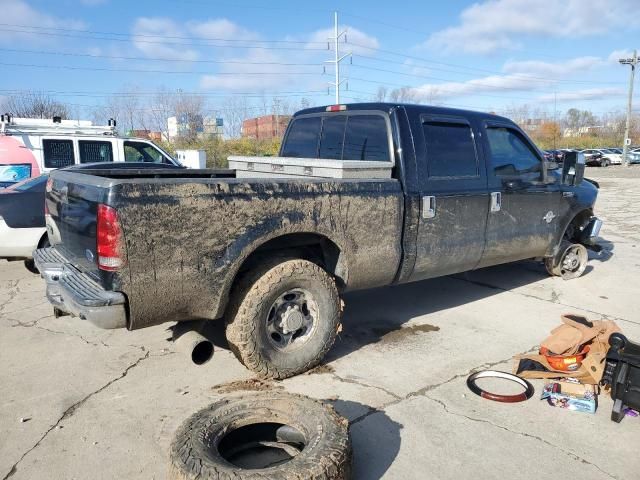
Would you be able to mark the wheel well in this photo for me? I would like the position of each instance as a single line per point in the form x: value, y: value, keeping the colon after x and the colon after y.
x: 313, y: 247
x: 575, y: 226
x: 43, y: 239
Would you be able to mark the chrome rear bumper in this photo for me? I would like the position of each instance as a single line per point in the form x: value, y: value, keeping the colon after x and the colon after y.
x: 74, y: 292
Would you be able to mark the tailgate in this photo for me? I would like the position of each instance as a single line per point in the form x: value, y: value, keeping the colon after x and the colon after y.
x: 72, y: 201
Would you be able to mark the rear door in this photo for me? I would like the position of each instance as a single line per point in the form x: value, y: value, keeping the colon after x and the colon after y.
x: 524, y: 210
x: 454, y: 197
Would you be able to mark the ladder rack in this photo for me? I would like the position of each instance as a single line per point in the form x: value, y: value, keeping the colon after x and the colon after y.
x: 33, y: 126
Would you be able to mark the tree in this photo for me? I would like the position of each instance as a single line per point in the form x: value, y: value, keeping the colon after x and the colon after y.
x: 34, y: 105
x: 381, y: 94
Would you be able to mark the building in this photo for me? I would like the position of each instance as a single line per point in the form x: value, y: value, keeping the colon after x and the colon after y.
x: 190, y: 125
x: 265, y: 127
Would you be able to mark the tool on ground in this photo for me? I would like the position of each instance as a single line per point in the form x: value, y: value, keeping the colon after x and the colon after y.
x: 520, y: 397
x: 622, y: 372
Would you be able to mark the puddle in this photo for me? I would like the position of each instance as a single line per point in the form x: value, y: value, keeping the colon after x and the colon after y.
x: 395, y: 335
x: 251, y: 385
x: 321, y: 369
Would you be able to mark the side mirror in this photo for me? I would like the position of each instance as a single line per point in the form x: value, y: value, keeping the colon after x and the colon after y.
x: 573, y: 168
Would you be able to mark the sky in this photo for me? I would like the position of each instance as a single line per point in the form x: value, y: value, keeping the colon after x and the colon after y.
x: 493, y: 55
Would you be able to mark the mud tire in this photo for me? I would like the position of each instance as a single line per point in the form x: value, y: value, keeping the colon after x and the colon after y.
x: 194, y: 452
x: 250, y: 303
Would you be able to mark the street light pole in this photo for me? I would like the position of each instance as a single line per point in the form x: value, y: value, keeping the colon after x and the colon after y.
x: 627, y: 141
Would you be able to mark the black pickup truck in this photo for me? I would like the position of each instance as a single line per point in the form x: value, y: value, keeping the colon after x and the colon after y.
x: 272, y: 256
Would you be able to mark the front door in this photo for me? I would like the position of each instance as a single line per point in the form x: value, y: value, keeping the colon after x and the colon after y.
x: 524, y: 210
x: 454, y: 197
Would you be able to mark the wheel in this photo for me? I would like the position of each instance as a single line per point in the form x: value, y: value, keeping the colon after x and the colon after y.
x: 604, y: 162
x: 272, y: 435
x: 570, y: 262
x: 283, y: 318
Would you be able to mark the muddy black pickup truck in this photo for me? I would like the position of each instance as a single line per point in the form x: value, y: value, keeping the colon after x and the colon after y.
x: 362, y: 195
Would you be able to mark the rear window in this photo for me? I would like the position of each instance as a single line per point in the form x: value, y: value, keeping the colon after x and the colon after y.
x: 302, y: 139
x: 57, y: 153
x: 450, y: 150
x: 339, y: 137
x: 366, y: 138
x: 95, y: 151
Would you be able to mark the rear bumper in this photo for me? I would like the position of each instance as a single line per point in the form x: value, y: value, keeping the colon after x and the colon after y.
x: 75, y: 293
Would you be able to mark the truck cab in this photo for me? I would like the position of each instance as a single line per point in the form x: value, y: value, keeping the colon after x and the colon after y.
x: 29, y: 147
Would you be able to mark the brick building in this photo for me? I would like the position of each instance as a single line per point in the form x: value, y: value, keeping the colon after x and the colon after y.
x: 265, y: 127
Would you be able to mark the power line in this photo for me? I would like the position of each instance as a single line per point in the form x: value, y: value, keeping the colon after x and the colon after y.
x: 131, y: 70
x: 154, y: 59
x: 158, y: 42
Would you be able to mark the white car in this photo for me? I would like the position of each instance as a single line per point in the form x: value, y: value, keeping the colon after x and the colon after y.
x: 29, y: 147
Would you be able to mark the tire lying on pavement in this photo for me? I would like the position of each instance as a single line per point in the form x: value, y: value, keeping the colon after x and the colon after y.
x: 270, y: 435
x: 283, y: 317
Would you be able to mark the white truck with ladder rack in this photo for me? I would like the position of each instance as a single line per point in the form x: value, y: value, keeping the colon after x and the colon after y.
x: 29, y: 147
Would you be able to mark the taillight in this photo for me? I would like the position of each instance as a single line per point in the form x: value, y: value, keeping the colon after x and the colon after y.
x: 336, y: 108
x: 109, y: 239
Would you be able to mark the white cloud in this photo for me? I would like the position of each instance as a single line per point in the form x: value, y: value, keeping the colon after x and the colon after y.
x: 220, y: 28
x: 238, y: 76
x: 491, y: 25
x: 565, y: 68
x: 19, y: 12
x: 529, y: 75
x: 577, y: 95
x: 150, y: 37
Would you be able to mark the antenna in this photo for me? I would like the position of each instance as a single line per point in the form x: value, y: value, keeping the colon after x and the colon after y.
x: 337, y: 58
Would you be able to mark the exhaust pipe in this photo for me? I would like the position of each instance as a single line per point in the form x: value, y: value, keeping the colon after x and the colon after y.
x: 189, y: 340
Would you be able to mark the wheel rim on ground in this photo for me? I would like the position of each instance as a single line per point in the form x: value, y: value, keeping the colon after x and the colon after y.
x: 292, y: 319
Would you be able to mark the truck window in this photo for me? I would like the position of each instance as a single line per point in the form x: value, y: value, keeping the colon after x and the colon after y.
x: 366, y: 138
x: 57, y: 153
x: 95, y: 151
x: 332, y: 137
x: 302, y: 139
x: 511, y: 154
x: 451, y: 150
x: 142, y: 152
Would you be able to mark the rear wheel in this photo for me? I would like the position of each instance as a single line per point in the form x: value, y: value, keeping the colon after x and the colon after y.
x: 283, y: 318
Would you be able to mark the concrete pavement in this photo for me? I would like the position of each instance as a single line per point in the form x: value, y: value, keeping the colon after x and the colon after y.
x: 104, y: 404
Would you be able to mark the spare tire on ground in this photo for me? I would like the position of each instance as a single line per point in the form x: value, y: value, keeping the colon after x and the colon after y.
x: 274, y: 435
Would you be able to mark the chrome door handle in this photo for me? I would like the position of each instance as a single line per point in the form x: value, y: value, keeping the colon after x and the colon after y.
x: 496, y: 201
x: 428, y: 207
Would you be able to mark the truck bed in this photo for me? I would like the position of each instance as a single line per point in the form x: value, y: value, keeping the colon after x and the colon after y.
x: 188, y: 232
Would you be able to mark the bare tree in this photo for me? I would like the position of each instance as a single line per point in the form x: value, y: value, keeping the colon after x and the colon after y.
x: 235, y: 110
x: 34, y: 105
x: 381, y: 94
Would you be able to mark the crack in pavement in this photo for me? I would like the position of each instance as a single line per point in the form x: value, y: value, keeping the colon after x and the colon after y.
x: 69, y: 412
x: 528, y: 295
x: 363, y: 384
x: 523, y: 434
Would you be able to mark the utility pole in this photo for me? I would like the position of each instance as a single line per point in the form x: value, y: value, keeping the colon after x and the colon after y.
x: 337, y: 58
x: 627, y: 141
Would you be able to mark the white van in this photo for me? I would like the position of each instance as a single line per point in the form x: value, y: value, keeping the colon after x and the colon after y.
x: 29, y: 147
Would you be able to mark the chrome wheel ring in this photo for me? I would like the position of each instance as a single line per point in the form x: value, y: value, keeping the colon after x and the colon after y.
x: 292, y: 319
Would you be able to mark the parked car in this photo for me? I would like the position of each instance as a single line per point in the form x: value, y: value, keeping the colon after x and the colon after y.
x: 634, y: 156
x: 362, y: 196
x: 594, y: 158
x: 614, y: 155
x: 29, y: 147
x: 22, y: 224
x: 22, y: 215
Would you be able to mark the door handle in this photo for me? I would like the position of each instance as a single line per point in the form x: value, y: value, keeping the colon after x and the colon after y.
x: 496, y: 201
x: 428, y: 207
